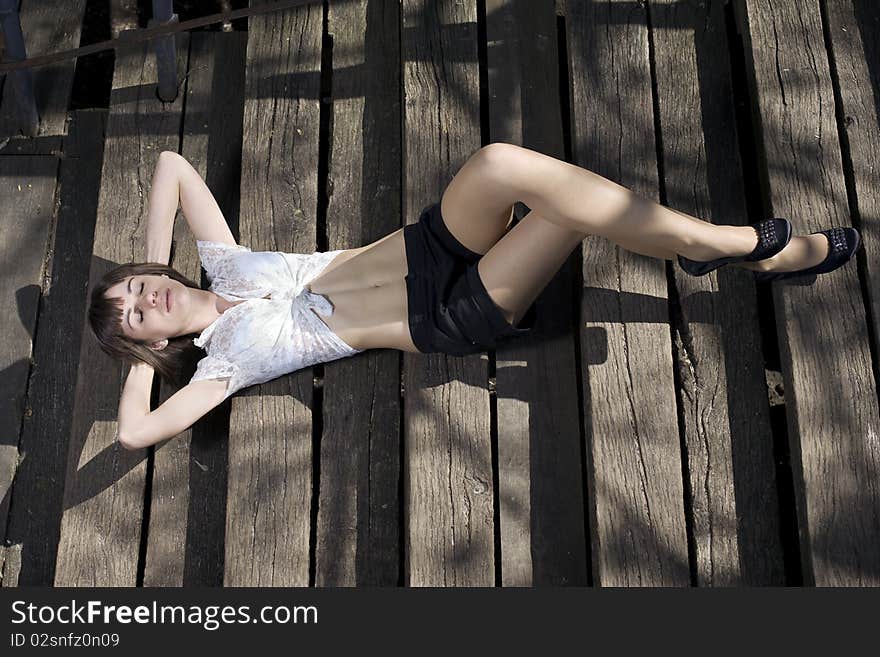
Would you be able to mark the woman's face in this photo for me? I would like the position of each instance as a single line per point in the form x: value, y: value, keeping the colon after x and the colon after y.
x: 153, y: 307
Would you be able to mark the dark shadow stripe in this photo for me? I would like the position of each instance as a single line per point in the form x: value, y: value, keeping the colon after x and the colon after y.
x: 757, y: 206
x: 577, y: 285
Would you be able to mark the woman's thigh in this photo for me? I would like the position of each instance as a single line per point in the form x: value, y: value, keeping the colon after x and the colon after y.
x: 475, y: 209
x: 521, y: 264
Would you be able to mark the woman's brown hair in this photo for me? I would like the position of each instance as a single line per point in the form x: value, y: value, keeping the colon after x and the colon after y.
x: 176, y: 363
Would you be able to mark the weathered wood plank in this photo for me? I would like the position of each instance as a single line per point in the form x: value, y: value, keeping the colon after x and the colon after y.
x: 44, y: 25
x: 448, y: 481
x: 123, y: 16
x: 717, y: 339
x: 48, y: 26
x: 38, y: 490
x: 188, y: 507
x: 854, y: 27
x: 10, y: 564
x: 27, y: 209
x: 633, y: 458
x: 270, y: 429
x: 831, y: 408
x: 104, y: 487
x: 539, y: 453
x: 357, y: 525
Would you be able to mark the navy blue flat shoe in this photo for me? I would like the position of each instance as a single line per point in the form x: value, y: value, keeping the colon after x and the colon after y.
x: 842, y: 245
x: 773, y: 236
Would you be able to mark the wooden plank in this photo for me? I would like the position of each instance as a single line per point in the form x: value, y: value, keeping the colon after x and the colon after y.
x: 448, y: 482
x: 357, y: 525
x: 831, y: 408
x: 270, y: 429
x: 540, y: 484
x: 44, y: 25
x: 633, y: 458
x: 10, y: 564
x: 123, y: 16
x: 104, y: 487
x: 188, y: 507
x: 37, y: 495
x: 27, y: 209
x: 854, y: 28
x: 717, y: 339
x: 48, y: 26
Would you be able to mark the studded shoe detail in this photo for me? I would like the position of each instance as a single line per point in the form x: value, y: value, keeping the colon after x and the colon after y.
x: 842, y: 245
x: 773, y: 236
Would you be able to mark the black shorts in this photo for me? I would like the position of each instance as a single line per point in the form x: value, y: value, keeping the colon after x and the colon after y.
x: 450, y: 310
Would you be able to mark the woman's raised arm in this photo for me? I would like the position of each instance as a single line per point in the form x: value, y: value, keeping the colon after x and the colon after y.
x: 134, y: 404
x: 139, y: 427
x: 175, y: 182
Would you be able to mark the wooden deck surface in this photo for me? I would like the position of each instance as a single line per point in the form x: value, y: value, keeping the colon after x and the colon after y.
x: 656, y: 430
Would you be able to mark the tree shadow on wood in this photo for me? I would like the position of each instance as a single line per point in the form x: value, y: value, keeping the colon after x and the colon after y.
x: 357, y: 532
x: 868, y: 22
x: 38, y: 487
x: 728, y: 441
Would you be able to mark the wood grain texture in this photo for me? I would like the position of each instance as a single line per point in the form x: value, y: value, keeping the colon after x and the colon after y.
x: 123, y: 16
x: 104, y: 485
x: 27, y: 207
x: 854, y: 29
x: 188, y: 505
x: 27, y: 216
x: 38, y: 489
x: 540, y: 482
x: 633, y: 453
x: 269, y: 497
x: 717, y: 338
x: 448, y: 505
x: 47, y: 26
x: 357, y: 526
x: 10, y: 564
x: 831, y: 394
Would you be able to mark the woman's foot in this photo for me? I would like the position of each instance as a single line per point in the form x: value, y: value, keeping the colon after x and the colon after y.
x: 801, y: 252
x: 734, y: 244
x: 809, y: 255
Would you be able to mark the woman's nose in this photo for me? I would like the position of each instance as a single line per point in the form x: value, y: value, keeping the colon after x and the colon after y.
x: 152, y: 298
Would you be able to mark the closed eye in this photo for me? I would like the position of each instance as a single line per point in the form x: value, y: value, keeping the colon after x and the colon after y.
x: 141, y: 315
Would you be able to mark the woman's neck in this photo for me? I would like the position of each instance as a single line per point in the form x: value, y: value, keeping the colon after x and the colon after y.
x: 206, y: 307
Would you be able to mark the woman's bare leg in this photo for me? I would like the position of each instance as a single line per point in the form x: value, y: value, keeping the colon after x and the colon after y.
x: 476, y: 206
x: 521, y: 264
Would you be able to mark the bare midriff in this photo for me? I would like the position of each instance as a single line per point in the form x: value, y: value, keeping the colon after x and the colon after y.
x: 367, y: 289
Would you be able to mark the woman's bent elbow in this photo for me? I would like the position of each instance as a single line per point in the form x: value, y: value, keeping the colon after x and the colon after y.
x: 127, y: 441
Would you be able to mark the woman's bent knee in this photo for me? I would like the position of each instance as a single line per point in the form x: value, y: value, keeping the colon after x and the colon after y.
x: 497, y: 155
x: 500, y: 164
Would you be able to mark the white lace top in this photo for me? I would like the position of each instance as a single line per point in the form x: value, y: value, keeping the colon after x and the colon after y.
x: 261, y: 339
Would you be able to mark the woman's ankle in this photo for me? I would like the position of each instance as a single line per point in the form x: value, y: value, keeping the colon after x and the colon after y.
x: 726, y: 241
